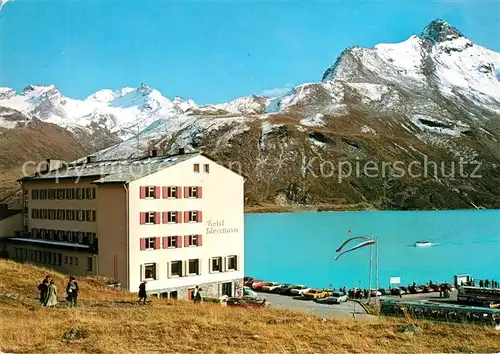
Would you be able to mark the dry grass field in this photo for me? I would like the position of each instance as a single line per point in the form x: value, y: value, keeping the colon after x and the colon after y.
x: 108, y: 321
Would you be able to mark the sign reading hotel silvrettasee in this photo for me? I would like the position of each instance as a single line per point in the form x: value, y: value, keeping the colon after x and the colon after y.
x: 218, y: 227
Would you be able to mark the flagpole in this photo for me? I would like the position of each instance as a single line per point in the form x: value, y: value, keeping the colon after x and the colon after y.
x: 378, y: 299
x: 370, y: 280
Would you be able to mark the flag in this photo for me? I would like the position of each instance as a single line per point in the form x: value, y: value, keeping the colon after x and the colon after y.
x: 362, y: 244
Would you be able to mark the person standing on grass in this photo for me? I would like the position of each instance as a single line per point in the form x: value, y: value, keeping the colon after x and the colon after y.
x: 197, y: 295
x: 142, y: 292
x: 51, y: 298
x: 43, y: 287
x: 72, y: 291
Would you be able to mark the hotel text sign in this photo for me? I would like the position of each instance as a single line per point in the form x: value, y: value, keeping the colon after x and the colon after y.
x: 218, y: 227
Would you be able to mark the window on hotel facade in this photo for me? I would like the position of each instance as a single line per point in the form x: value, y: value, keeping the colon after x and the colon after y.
x: 150, y: 217
x: 193, y: 192
x: 60, y: 235
x: 43, y: 214
x: 65, y: 259
x: 52, y: 194
x: 231, y: 263
x: 69, y: 236
x: 89, y: 264
x: 60, y: 193
x: 34, y: 194
x: 216, y: 264
x: 90, y: 215
x: 90, y: 193
x: 91, y: 237
x: 70, y: 193
x: 194, y: 267
x: 34, y: 214
x: 192, y: 240
x: 52, y: 214
x: 71, y: 260
x: 79, y: 215
x: 150, y: 192
x: 150, y: 243
x: 76, y: 260
x: 51, y: 234
x: 194, y: 216
x: 172, y: 242
x: 34, y: 233
x: 60, y: 214
x: 69, y: 215
x: 74, y: 237
x: 176, y: 268
x: 43, y: 194
x: 196, y: 167
x: 206, y: 168
x: 150, y: 271
x: 80, y: 193
x: 172, y: 216
x: 172, y: 192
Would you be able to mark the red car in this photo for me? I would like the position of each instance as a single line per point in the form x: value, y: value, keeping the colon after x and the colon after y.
x: 249, y: 282
x: 258, y: 284
x: 248, y: 302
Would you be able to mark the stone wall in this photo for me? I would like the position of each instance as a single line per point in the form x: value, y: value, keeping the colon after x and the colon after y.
x: 208, y: 290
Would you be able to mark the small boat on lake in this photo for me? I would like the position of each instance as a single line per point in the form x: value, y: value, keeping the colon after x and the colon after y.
x: 423, y: 244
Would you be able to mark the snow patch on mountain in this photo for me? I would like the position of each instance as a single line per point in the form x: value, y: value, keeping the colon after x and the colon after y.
x: 406, y: 56
x: 316, y: 120
x: 367, y: 130
x: 430, y: 124
x: 369, y: 92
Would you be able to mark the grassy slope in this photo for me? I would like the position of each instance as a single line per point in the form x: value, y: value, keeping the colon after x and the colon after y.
x: 111, y: 323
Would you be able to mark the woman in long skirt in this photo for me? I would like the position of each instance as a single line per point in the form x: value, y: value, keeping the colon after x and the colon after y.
x: 51, y: 299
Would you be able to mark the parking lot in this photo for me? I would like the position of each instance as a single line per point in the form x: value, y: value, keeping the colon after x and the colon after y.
x: 345, y: 310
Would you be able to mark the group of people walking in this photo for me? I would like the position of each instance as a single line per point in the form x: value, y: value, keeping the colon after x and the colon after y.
x: 48, y: 292
x: 143, y: 295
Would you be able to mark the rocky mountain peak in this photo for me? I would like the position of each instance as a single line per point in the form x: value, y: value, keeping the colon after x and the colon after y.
x: 439, y: 30
x: 145, y: 89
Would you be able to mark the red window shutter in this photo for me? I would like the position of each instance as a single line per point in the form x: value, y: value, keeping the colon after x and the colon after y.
x: 199, y: 241
x: 186, y: 241
x: 143, y: 244
x: 178, y: 218
x: 165, y: 192
x: 157, y: 243
x: 178, y: 193
x: 165, y: 242
x: 143, y: 192
x: 157, y: 217
x: 179, y: 241
x: 157, y: 193
x: 186, y: 216
x: 199, y: 192
x: 142, y: 218
x: 198, y: 216
x: 164, y: 217
x: 186, y: 192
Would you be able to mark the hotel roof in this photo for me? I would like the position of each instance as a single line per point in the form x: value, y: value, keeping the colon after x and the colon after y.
x: 112, y: 171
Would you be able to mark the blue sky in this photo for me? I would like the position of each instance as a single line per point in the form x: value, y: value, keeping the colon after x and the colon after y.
x: 211, y: 51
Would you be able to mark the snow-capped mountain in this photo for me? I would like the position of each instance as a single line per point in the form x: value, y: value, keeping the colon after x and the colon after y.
x: 436, y: 94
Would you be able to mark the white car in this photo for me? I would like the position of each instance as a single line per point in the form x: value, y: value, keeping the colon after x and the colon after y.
x: 248, y: 292
x: 336, y: 298
x: 376, y: 293
x: 299, y: 290
x: 271, y: 286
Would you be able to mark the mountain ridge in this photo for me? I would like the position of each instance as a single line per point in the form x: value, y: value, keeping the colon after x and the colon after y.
x: 436, y: 95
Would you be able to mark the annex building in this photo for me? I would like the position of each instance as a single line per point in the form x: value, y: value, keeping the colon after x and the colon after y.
x: 175, y: 221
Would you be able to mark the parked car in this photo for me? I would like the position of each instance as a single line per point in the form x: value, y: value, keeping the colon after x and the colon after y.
x: 315, y: 294
x: 375, y: 293
x: 248, y: 302
x: 246, y: 279
x: 284, y: 289
x: 435, y: 287
x: 257, y: 285
x: 249, y: 292
x: 270, y: 286
x: 249, y: 282
x: 336, y: 298
x: 299, y: 290
x: 397, y: 291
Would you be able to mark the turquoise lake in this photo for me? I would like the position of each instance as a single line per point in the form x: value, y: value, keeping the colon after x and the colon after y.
x: 300, y: 247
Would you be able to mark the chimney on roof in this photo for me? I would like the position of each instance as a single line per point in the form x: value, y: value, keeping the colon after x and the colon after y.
x: 153, y: 153
x: 181, y: 151
x: 90, y: 159
x: 52, y: 164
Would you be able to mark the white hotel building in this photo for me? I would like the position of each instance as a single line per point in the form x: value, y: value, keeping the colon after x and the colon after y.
x: 175, y: 221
